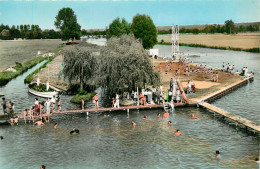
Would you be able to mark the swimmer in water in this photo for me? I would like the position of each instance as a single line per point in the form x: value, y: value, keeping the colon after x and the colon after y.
x: 177, y: 133
x: 217, y: 155
x: 74, y: 131
x: 144, y: 118
x: 170, y: 123
x: 133, y: 124
x: 1, y: 137
x: 158, y: 115
x: 39, y: 123
x: 42, y: 167
x: 193, y: 116
x: 166, y: 114
x: 55, y: 125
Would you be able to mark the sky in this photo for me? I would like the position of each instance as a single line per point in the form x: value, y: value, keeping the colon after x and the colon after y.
x: 98, y: 14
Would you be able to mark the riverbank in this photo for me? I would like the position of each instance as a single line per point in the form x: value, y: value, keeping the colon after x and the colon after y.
x: 240, y: 41
x: 20, y: 68
x: 254, y: 50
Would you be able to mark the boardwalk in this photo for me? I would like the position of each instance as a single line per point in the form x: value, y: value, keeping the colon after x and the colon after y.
x: 148, y: 106
x: 235, y: 118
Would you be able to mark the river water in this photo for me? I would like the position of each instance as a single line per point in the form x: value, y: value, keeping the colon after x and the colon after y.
x: 111, y: 141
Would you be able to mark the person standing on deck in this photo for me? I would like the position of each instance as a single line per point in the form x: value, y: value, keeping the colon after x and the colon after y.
x: 95, y: 99
x: 82, y: 104
x: 4, y: 105
x: 48, y: 110
x: 59, y: 105
x: 117, y: 101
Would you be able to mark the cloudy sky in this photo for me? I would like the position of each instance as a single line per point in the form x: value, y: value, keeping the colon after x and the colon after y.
x: 99, y: 13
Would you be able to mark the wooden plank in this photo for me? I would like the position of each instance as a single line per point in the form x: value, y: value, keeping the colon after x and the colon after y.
x: 233, y: 117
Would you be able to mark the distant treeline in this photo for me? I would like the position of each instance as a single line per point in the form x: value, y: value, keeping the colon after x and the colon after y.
x: 85, y: 32
x: 27, y: 32
x: 35, y: 32
x: 229, y: 28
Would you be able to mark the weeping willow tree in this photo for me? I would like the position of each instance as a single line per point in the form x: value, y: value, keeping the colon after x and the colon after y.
x: 79, y: 64
x: 124, y: 66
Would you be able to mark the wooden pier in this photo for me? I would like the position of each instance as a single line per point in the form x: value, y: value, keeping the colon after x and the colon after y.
x: 226, y: 90
x: 127, y: 108
x: 236, y: 119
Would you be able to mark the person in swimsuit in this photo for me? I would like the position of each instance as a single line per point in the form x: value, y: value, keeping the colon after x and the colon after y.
x: 95, y: 99
x: 177, y: 133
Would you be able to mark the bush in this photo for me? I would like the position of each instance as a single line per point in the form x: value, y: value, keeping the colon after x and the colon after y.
x: 82, y: 95
x: 5, y: 77
x: 40, y: 88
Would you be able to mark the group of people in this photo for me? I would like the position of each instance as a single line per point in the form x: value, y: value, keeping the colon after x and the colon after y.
x: 10, y: 107
x: 228, y: 67
x: 165, y: 115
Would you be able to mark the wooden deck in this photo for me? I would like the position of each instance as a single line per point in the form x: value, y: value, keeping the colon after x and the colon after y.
x: 235, y: 118
x: 148, y: 106
x: 225, y: 90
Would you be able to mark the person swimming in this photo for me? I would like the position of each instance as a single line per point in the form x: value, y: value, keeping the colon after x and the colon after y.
x: 170, y: 123
x: 192, y: 116
x: 166, y: 114
x: 217, y: 155
x: 178, y: 133
x: 55, y: 125
x: 144, y: 118
x: 74, y: 131
x: 39, y: 123
x: 158, y: 115
x: 133, y: 123
x: 1, y: 137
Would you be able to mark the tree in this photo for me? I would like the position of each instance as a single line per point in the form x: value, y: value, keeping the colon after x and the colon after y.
x: 124, y: 66
x: 144, y: 28
x: 78, y: 64
x: 118, y: 28
x: 5, y: 34
x: 66, y: 21
x: 230, y: 27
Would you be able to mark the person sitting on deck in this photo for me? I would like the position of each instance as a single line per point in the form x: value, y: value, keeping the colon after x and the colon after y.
x: 178, y: 133
x: 95, y: 99
x: 193, y: 116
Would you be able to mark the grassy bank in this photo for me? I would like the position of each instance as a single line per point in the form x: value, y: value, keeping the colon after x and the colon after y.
x: 82, y: 95
x: 29, y: 78
x: 254, y: 50
x: 20, y: 68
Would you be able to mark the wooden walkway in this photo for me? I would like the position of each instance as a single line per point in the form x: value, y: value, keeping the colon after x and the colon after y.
x: 235, y: 118
x: 225, y: 90
x: 148, y: 106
